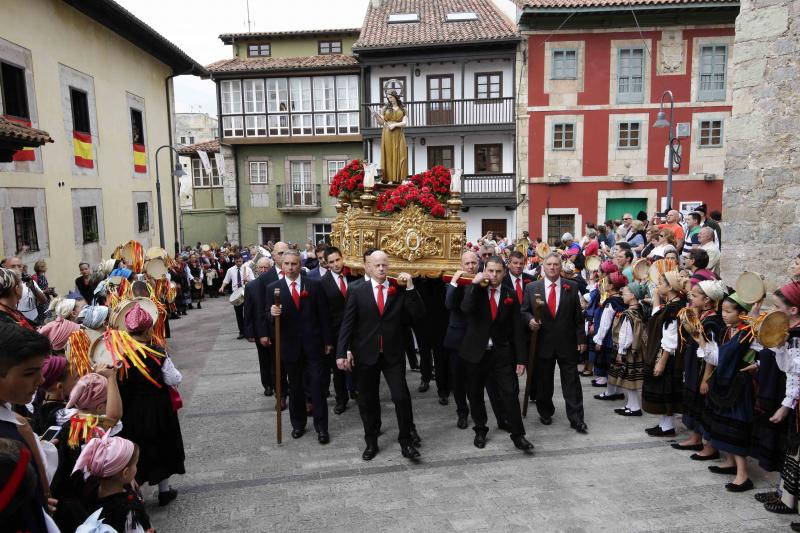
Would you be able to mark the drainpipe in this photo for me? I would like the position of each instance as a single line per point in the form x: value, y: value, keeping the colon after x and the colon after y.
x: 172, y: 162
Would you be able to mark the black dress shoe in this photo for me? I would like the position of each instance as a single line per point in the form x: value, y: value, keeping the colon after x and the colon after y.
x: 698, y: 457
x: 744, y: 487
x: 658, y: 432
x: 424, y: 386
x: 240, y: 337
x: 414, y: 436
x: 480, y: 440
x: 522, y: 443
x: 370, y: 452
x: 297, y: 433
x: 608, y: 397
x: 724, y: 470
x: 167, y: 496
x: 628, y: 412
x: 269, y: 391
x: 580, y: 427
x: 692, y: 447
x: 546, y: 420
x: 443, y: 400
x: 409, y: 451
x: 462, y: 422
x: 340, y: 408
x: 653, y: 429
x: 323, y: 437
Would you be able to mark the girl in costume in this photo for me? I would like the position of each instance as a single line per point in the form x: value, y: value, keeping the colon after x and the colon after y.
x: 58, y: 383
x: 58, y: 331
x: 704, y: 300
x: 663, y: 379
x: 730, y: 392
x: 630, y: 339
x: 603, y: 338
x: 150, y: 420
x: 111, y: 462
x: 598, y: 356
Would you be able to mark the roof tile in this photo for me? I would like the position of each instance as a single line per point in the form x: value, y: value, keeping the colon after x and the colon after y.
x: 25, y: 134
x: 208, y: 146
x: 237, y: 64
x: 608, y: 3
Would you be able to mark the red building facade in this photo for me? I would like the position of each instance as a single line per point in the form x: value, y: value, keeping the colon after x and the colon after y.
x: 595, y: 83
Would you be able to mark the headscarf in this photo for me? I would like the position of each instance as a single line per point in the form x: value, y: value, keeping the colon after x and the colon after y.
x: 58, y: 331
x: 105, y: 457
x: 94, y: 316
x: 639, y: 290
x: 52, y: 370
x: 734, y: 297
x: 674, y: 280
x: 618, y: 280
x: 138, y: 320
x: 63, y: 307
x: 607, y: 267
x: 791, y: 291
x: 89, y: 393
x: 716, y: 290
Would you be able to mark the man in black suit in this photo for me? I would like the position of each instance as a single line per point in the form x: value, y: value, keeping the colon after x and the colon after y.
x: 561, y: 339
x: 493, y: 348
x: 516, y: 280
x: 305, y: 338
x: 372, y: 329
x: 335, y: 284
x: 321, y: 269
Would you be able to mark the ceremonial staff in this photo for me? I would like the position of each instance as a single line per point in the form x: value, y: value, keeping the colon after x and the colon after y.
x: 278, y: 380
x: 537, y: 315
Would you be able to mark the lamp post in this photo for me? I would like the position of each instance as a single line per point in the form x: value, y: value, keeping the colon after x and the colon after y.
x: 662, y: 122
x: 177, y: 173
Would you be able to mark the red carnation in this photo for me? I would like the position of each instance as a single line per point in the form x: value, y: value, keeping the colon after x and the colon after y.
x: 567, y: 287
x: 304, y: 294
x: 392, y: 290
x: 508, y: 301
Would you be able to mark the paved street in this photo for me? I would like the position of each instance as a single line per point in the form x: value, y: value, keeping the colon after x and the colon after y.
x: 613, y: 479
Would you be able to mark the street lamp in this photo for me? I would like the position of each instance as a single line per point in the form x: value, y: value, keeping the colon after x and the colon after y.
x: 177, y: 173
x: 662, y: 122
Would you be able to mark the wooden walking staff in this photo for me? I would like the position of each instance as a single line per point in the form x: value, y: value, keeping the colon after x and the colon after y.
x: 278, y: 374
x: 537, y: 315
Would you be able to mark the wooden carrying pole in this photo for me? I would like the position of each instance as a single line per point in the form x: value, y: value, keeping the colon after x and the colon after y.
x: 278, y: 380
x: 537, y: 314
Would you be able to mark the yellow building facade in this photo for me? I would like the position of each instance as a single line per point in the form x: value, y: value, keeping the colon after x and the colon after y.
x: 99, y: 81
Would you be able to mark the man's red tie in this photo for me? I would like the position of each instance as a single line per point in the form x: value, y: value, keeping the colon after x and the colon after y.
x: 380, y: 299
x: 295, y: 295
x: 492, y: 303
x: 519, y: 290
x: 342, y: 286
x: 551, y: 299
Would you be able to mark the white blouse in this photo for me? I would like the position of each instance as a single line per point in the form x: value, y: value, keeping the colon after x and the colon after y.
x: 606, y: 319
x: 625, y: 336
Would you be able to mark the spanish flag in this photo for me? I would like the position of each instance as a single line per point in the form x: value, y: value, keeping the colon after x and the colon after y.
x: 28, y: 153
x: 139, y: 158
x: 82, y: 147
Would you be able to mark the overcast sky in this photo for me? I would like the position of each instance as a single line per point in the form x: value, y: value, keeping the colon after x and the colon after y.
x: 195, y: 26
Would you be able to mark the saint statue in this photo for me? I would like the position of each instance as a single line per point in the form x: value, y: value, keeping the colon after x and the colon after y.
x: 394, y: 151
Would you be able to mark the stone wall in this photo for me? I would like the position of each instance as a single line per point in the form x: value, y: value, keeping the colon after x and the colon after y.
x: 762, y: 167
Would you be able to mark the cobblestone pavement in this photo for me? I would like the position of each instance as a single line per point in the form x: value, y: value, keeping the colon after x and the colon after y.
x: 616, y: 478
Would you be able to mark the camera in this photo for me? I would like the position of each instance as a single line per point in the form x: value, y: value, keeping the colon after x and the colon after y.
x: 26, y: 278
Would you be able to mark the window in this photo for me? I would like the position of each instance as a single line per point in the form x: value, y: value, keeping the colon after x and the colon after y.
x: 277, y: 95
x: 346, y: 92
x: 710, y: 133
x: 330, y: 47
x: 25, y: 229
x: 301, y: 183
x: 300, y: 94
x: 558, y: 225
x: 231, y: 96
x: 14, y: 91
x: 199, y: 177
x: 253, y: 96
x: 397, y: 85
x: 232, y: 127
x: 400, y: 18
x: 259, y: 171
x: 216, y: 181
x: 259, y: 50
x: 80, y: 110
x: 325, y: 124
x: 89, y: 224
x: 334, y: 167
x: 255, y: 125
x: 278, y: 125
x: 488, y: 158
x: 630, y: 74
x: 322, y: 232
x: 440, y: 155
x: 628, y: 135
x: 301, y: 124
x: 461, y: 16
x: 565, y: 65
x: 488, y: 85
x: 324, y: 93
x: 183, y: 139
x: 137, y: 126
x: 191, y: 139
x: 348, y: 123
x: 563, y: 136
x: 143, y: 216
x: 713, y: 62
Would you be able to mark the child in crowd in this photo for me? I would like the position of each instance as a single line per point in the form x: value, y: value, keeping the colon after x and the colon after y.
x: 630, y: 338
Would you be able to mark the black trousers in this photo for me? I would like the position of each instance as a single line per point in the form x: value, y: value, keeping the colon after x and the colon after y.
x: 239, y: 310
x: 457, y: 381
x: 369, y: 405
x: 411, y: 352
x: 570, y: 387
x: 295, y: 371
x: 266, y: 366
x: 503, y: 371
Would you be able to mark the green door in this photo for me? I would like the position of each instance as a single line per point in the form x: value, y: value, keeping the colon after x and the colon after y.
x: 616, y: 207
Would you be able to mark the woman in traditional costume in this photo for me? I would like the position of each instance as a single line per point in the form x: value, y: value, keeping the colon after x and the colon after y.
x: 630, y: 338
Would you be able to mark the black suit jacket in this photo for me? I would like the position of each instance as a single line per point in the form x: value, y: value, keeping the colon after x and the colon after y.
x: 505, y: 330
x: 526, y: 280
x: 304, y: 331
x: 336, y: 302
x: 457, y: 324
x: 254, y: 293
x: 363, y: 327
x: 559, y: 336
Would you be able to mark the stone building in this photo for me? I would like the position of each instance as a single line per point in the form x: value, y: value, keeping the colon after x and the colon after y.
x: 761, y: 198
x: 193, y: 128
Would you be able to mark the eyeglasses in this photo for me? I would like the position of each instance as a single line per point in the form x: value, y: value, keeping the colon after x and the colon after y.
x: 627, y: 218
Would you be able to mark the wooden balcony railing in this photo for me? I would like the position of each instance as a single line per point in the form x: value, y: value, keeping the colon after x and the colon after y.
x: 473, y: 112
x: 488, y: 189
x: 299, y: 197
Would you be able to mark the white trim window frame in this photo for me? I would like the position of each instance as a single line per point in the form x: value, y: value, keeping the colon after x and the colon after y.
x: 233, y: 126
x: 259, y: 172
x: 216, y: 180
x: 629, y: 135
x: 324, y: 124
x: 347, y: 93
x: 713, y: 73
x: 324, y: 93
x: 231, y: 96
x: 277, y: 95
x: 630, y: 75
x: 710, y: 134
x: 255, y: 125
x: 564, y: 136
x: 199, y: 177
x: 564, y: 64
x: 301, y: 181
x: 300, y: 95
x: 254, y: 101
x: 333, y: 167
x: 348, y: 123
x: 278, y: 125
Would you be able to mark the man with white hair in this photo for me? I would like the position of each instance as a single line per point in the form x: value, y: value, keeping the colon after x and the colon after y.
x: 706, y: 237
x: 569, y: 243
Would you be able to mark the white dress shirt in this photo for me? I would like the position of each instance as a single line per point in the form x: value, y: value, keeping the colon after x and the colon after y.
x: 337, y: 277
x: 375, y: 290
x: 27, y: 304
x: 232, y: 279
x: 547, y: 284
x: 289, y: 284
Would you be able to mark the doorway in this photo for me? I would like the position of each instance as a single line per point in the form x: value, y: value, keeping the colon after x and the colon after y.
x: 495, y: 225
x: 440, y: 100
x: 616, y: 207
x: 270, y: 233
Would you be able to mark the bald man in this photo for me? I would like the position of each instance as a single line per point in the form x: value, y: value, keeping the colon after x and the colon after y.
x: 674, y: 223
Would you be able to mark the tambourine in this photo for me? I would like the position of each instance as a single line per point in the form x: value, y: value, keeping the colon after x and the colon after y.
x: 593, y: 263
x: 101, y: 356
x: 659, y: 267
x: 750, y: 287
x: 155, y: 253
x: 771, y: 329
x: 155, y: 268
x: 116, y: 319
x: 542, y: 250
x: 641, y: 269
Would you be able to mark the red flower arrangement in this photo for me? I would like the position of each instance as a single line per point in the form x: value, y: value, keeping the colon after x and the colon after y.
x: 348, y: 180
x: 429, y: 190
x: 304, y: 294
x: 508, y: 301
